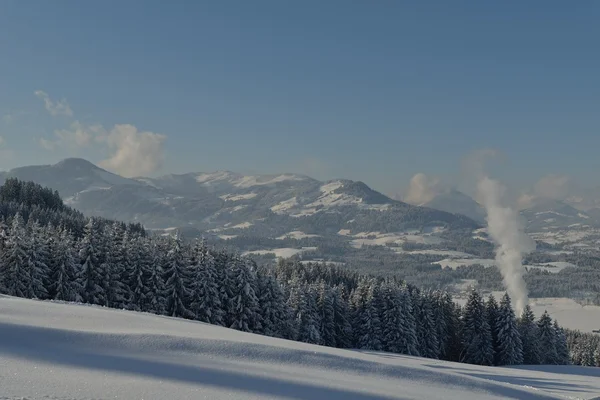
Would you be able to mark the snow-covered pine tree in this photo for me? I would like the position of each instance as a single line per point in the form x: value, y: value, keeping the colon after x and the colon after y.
x: 426, y: 327
x: 177, y: 281
x: 492, y: 313
x: 92, y: 270
x: 547, y: 337
x: 116, y: 265
x: 206, y: 299
x: 510, y: 347
x: 276, y: 315
x: 476, y: 333
x: 409, y: 343
x: 16, y: 261
x: 327, y: 312
x: 342, y: 325
x: 391, y: 319
x: 38, y: 256
x: 562, y: 350
x: 528, y: 331
x: 366, y: 323
x: 66, y: 277
x: 244, y: 314
x: 138, y: 275
x: 155, y: 297
x: 303, y: 302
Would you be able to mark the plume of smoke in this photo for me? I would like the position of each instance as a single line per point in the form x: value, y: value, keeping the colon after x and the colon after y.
x: 422, y: 189
x: 512, y: 243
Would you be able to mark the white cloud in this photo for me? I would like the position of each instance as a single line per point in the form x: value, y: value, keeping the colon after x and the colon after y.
x: 552, y: 186
x: 133, y: 152
x: 55, y: 108
x: 422, y: 189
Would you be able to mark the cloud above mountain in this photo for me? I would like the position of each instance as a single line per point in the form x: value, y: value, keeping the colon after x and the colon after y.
x: 133, y: 152
x: 422, y: 189
x: 123, y: 149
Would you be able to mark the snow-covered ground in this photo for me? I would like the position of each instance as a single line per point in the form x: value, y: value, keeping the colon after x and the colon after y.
x: 60, y: 351
x: 285, y: 252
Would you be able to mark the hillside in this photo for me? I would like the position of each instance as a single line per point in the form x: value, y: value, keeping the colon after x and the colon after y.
x: 65, y: 351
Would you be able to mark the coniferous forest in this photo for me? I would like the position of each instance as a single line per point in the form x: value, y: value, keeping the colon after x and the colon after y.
x: 51, y: 252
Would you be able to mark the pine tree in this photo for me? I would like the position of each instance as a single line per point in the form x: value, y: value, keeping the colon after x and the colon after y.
x: 177, y: 281
x: 206, y: 301
x: 327, y: 312
x: 476, y: 333
x: 38, y: 256
x: 156, y: 301
x: 16, y: 261
x: 426, y: 328
x: 342, y: 325
x: 391, y: 319
x: 529, y: 337
x: 492, y: 313
x: 547, y: 337
x: 138, y: 276
x: 303, y: 301
x: 66, y: 277
x: 116, y: 265
x: 91, y: 269
x: 366, y: 323
x: 510, y: 347
x: 276, y: 315
x: 562, y: 349
x: 244, y: 314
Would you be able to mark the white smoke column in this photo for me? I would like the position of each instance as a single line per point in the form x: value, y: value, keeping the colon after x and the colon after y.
x: 512, y: 243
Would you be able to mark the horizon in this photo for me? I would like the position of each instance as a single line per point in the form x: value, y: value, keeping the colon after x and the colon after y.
x: 380, y: 95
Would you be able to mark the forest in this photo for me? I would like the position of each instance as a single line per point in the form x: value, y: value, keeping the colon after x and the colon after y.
x: 50, y: 252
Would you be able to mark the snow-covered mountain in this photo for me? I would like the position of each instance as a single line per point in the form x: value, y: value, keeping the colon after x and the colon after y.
x: 267, y: 205
x: 456, y: 202
x: 547, y: 213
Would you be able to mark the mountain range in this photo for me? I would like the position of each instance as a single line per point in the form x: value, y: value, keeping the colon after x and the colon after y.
x: 228, y: 202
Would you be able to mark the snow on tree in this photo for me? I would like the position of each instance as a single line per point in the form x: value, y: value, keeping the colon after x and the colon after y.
x: 155, y: 296
x: 426, y: 327
x: 206, y: 299
x: 476, y: 333
x: 16, y: 268
x: 177, y: 281
x: 303, y: 302
x: 562, y: 350
x: 547, y: 337
x: 276, y: 315
x: 327, y: 312
x: 92, y: 270
x: 244, y: 314
x: 116, y: 265
x: 510, y: 347
x: 492, y: 313
x: 392, y: 316
x: 342, y: 325
x: 366, y: 322
x: 66, y: 277
x: 528, y: 330
x: 38, y: 257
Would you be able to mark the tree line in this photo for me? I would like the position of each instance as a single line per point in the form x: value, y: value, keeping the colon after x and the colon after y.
x: 115, y: 265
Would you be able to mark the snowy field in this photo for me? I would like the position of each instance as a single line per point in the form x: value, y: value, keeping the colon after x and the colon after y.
x: 60, y: 351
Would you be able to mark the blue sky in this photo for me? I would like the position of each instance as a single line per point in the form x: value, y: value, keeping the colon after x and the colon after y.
x: 372, y: 91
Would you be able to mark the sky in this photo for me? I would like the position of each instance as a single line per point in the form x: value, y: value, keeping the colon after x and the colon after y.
x: 371, y: 91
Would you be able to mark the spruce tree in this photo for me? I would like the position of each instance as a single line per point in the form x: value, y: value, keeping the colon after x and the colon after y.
x: 38, y: 256
x: 244, y: 314
x: 66, y: 277
x: 206, y: 299
x: 16, y: 261
x: 342, y: 325
x: 476, y: 333
x: 510, y: 347
x: 93, y: 288
x: 426, y: 328
x: 177, y: 281
x: 562, y: 349
x: 492, y: 313
x: 547, y: 337
x: 529, y: 337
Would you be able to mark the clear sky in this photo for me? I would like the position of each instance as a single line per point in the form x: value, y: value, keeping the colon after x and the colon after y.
x: 367, y: 90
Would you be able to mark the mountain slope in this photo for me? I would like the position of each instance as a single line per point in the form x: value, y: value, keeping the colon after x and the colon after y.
x: 63, y: 351
x: 456, y: 202
x: 551, y: 214
x: 270, y: 205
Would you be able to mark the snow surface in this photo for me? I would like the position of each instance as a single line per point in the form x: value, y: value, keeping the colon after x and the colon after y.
x: 297, y: 235
x: 282, y: 207
x: 243, y: 225
x: 64, y: 351
x: 238, y: 197
x: 285, y: 252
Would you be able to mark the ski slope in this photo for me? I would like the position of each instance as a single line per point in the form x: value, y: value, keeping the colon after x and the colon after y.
x: 66, y: 351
